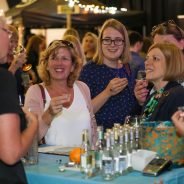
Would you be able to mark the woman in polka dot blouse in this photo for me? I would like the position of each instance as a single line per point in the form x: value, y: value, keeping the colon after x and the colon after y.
x: 109, y: 76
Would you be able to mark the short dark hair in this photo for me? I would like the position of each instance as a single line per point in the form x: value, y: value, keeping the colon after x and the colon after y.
x: 135, y: 37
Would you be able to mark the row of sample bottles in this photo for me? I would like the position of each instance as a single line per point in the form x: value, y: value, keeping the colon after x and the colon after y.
x: 112, y: 154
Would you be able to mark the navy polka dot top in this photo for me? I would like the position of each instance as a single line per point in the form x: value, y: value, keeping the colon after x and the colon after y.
x: 117, y: 107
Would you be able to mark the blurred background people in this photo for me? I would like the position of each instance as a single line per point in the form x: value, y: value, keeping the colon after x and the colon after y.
x: 77, y: 46
x: 15, y: 138
x: 72, y: 31
x: 62, y: 104
x: 89, y: 45
x: 15, y: 61
x: 35, y: 45
x: 147, y: 42
x: 109, y: 76
x: 164, y: 65
x: 136, y: 43
x: 170, y: 32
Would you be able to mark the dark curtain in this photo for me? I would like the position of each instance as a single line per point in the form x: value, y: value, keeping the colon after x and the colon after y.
x: 156, y: 11
x: 12, y: 3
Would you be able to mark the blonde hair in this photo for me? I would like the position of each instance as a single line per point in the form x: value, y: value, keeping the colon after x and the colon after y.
x: 71, y: 31
x: 125, y: 56
x: 174, y: 60
x: 52, y: 49
x: 94, y: 37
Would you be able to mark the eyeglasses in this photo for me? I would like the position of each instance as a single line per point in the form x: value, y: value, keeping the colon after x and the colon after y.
x: 7, y: 31
x: 169, y: 27
x: 64, y: 42
x: 108, y: 41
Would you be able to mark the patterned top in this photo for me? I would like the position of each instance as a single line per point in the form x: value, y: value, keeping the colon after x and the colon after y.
x: 117, y: 107
x: 152, y: 104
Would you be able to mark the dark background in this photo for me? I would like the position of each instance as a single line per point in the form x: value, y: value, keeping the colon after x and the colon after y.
x: 156, y: 11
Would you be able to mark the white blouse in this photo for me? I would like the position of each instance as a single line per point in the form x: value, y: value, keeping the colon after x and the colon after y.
x: 66, y: 128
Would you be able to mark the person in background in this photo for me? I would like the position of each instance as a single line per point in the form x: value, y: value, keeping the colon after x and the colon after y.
x: 147, y: 42
x: 77, y: 46
x: 62, y: 103
x: 109, y: 77
x: 136, y: 43
x: 72, y: 31
x: 178, y: 120
x: 164, y: 65
x: 14, y: 62
x: 168, y: 31
x: 36, y: 44
x: 89, y: 45
x: 15, y: 138
x: 165, y: 32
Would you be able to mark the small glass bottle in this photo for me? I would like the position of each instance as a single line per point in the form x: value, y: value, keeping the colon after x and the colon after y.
x: 122, y: 154
x: 85, y: 157
x: 127, y: 148
x: 107, y: 161
x: 99, y: 148
x: 115, y: 150
x: 137, y: 129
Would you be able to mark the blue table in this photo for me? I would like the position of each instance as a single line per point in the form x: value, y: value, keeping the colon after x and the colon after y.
x: 47, y: 172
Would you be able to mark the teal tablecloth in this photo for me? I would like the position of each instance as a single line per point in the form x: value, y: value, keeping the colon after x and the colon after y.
x: 47, y: 172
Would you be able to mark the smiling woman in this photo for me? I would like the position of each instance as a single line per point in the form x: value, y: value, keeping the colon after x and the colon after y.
x: 67, y: 109
x: 164, y: 66
x: 109, y: 77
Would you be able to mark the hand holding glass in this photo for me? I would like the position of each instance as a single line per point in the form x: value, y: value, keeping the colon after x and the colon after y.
x: 18, y: 50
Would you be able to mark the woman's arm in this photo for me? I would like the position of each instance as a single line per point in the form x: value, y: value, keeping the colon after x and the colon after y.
x: 13, y: 143
x: 34, y: 102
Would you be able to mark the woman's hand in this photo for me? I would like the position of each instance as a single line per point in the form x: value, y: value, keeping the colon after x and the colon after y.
x: 141, y: 91
x: 116, y: 85
x: 17, y: 62
x: 57, y: 104
x: 178, y: 120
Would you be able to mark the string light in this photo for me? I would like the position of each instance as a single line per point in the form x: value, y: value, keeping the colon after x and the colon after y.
x: 91, y: 8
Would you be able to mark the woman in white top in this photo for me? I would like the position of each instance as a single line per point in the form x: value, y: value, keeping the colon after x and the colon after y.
x: 63, y: 105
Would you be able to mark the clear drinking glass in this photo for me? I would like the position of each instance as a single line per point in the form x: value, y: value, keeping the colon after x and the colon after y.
x: 132, y: 120
x: 181, y: 108
x: 32, y: 154
x: 20, y: 49
x: 141, y: 75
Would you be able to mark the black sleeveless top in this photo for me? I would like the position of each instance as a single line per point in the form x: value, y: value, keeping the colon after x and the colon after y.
x: 11, y: 174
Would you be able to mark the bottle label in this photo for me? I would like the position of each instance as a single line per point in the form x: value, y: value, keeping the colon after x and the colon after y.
x: 122, y: 164
x: 108, y: 166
